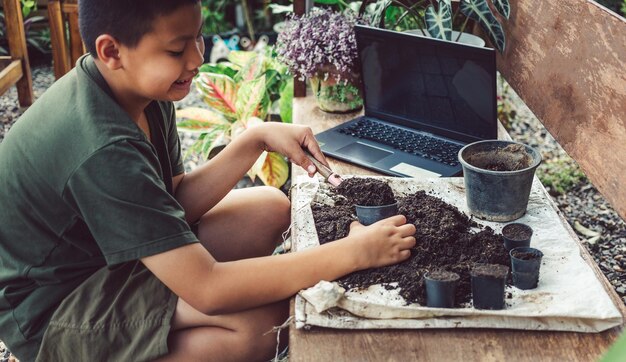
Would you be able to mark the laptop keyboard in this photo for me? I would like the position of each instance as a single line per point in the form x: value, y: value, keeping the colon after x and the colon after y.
x: 406, y: 141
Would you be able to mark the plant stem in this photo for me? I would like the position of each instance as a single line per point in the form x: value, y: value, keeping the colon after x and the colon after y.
x: 246, y: 15
x: 462, y: 28
x: 412, y: 11
x: 343, y: 3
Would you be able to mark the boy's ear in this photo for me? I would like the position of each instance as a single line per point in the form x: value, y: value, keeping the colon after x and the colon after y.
x: 108, y: 48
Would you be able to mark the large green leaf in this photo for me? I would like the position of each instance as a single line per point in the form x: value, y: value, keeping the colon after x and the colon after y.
x: 480, y: 12
x: 286, y: 103
x: 376, y: 11
x: 241, y: 57
x: 219, y: 93
x: 439, y: 21
x: 217, y: 136
x: 225, y: 68
x: 275, y: 170
x: 249, y: 96
x: 197, y: 119
x: 503, y: 7
x: 252, y: 69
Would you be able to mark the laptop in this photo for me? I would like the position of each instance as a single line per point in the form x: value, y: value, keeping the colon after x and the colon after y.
x: 424, y: 99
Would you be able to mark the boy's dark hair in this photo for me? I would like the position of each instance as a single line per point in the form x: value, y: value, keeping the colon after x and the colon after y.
x: 126, y: 20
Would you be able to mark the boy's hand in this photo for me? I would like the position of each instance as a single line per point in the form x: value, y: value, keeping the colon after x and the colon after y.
x: 289, y: 140
x: 383, y: 243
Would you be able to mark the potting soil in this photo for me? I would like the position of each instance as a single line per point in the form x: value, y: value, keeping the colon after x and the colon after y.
x: 444, y: 241
x: 560, y: 302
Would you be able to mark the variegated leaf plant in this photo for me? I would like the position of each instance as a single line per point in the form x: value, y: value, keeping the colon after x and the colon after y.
x: 437, y: 16
x: 236, y: 93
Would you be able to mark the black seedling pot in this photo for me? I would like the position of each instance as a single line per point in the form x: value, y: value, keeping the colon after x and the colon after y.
x: 516, y: 235
x: 368, y: 215
x: 488, y: 282
x: 440, y: 288
x: 525, y: 264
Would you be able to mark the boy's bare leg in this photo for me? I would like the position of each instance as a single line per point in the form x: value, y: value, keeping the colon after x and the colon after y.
x: 246, y: 223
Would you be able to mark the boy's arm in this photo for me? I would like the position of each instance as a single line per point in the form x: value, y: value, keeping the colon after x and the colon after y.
x: 201, y: 189
x: 216, y: 288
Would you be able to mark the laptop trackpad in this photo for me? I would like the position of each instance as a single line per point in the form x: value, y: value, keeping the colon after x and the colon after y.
x: 364, y: 152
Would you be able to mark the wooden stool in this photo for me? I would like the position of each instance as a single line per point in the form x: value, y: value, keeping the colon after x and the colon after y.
x: 15, y: 69
x: 63, y: 17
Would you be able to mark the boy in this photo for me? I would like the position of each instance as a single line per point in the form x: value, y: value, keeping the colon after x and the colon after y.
x: 98, y: 259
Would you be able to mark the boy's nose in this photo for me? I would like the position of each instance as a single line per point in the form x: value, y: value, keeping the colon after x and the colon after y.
x: 197, y: 56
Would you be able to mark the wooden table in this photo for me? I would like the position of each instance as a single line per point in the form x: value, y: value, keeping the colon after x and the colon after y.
x: 325, y: 344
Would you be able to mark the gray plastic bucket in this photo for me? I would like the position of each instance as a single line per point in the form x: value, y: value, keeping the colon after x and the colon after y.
x: 497, y: 195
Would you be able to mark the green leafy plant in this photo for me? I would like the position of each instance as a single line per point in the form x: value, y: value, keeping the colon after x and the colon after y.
x: 239, y: 95
x: 437, y: 16
x: 28, y: 6
x: 214, y: 16
x: 39, y: 39
x: 560, y: 175
x: 3, y: 50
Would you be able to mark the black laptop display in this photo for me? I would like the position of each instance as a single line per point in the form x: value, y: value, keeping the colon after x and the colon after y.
x: 424, y: 99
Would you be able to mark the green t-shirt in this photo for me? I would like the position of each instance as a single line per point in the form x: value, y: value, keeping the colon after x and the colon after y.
x: 81, y: 187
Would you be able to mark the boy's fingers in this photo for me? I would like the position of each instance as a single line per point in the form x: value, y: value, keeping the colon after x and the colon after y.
x: 310, y: 143
x: 408, y: 242
x: 303, y: 161
x: 396, y: 220
x: 407, y: 229
x: 404, y: 254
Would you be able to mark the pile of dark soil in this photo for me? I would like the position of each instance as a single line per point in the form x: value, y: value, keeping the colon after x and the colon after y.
x: 366, y: 192
x: 445, y: 241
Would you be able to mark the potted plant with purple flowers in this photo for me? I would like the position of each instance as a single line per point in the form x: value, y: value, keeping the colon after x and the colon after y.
x: 321, y: 46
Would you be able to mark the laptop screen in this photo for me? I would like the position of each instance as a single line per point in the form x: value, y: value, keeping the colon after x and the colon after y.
x: 437, y: 86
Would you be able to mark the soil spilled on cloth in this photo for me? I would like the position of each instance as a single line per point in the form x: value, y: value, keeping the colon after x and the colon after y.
x: 444, y: 237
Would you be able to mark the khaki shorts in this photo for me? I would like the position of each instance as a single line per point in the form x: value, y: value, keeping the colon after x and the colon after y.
x: 119, y: 314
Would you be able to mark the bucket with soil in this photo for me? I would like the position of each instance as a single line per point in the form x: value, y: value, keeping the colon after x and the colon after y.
x: 488, y: 282
x: 516, y: 235
x: 440, y: 288
x: 498, y: 176
x: 373, y: 199
x: 525, y: 264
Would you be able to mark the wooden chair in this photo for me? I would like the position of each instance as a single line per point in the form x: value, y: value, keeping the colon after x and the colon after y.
x: 67, y: 45
x: 15, y: 68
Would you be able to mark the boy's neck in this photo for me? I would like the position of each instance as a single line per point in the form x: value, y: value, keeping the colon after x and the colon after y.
x: 133, y: 104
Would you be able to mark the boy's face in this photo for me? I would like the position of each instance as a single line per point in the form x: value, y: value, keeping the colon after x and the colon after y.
x: 163, y: 63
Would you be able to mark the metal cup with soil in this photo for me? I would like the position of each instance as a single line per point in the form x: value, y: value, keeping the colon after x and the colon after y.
x: 488, y: 282
x: 498, y: 176
x: 373, y: 199
x: 441, y: 288
x: 525, y: 264
x: 516, y: 235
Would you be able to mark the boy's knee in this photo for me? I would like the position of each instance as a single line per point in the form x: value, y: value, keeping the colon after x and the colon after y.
x: 279, y: 205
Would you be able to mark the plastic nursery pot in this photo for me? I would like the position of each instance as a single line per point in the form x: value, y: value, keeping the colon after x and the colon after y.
x: 525, y: 264
x: 488, y: 281
x: 516, y: 235
x: 440, y: 288
x: 368, y: 215
x: 498, y: 176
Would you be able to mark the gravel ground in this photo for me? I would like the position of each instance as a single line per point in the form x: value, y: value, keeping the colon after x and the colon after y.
x: 603, y: 232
